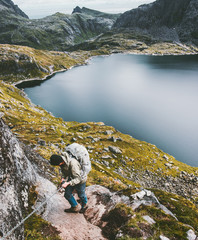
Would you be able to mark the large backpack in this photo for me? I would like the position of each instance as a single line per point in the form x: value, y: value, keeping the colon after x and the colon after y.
x: 80, y: 153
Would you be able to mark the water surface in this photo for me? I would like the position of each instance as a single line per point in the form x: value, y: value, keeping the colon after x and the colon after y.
x: 152, y: 98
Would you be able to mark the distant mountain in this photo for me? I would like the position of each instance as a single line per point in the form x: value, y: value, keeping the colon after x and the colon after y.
x: 95, y: 13
x: 10, y: 7
x: 161, y: 20
x: 165, y: 19
x: 54, y: 32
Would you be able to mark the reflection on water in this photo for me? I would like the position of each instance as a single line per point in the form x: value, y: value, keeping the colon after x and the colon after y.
x: 152, y: 98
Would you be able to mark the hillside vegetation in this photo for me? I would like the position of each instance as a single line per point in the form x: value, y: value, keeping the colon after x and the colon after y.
x: 115, y: 155
x: 120, y: 163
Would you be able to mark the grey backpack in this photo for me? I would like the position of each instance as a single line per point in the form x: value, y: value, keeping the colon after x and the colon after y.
x: 80, y: 153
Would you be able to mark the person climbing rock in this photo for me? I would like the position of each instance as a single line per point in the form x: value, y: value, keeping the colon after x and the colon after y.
x: 74, y: 175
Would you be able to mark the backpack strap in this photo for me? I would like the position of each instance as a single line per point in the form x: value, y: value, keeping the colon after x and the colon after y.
x: 71, y: 155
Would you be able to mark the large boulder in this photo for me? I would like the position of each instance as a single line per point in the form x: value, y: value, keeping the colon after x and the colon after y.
x: 17, y: 175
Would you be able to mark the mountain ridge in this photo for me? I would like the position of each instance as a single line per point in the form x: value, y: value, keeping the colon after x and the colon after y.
x: 165, y: 19
x: 162, y: 21
x: 55, y: 32
x: 8, y: 5
x: 95, y: 13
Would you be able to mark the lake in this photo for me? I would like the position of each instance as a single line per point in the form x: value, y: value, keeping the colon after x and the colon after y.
x: 152, y: 98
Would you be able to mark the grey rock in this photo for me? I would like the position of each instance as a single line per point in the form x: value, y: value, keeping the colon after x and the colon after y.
x: 1, y: 114
x: 164, y: 238
x: 149, y: 219
x: 115, y: 150
x: 108, y: 132
x: 90, y: 148
x: 42, y: 142
x: 123, y: 161
x: 191, y: 235
x: 101, y: 200
x: 106, y: 163
x: 114, y: 139
x: 15, y: 166
x: 106, y: 149
x: 168, y: 165
x: 80, y: 137
x: 94, y: 139
x: 106, y: 157
x: 165, y: 157
x: 148, y: 198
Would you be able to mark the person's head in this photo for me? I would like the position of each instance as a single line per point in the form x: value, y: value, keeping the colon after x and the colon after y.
x: 56, y: 160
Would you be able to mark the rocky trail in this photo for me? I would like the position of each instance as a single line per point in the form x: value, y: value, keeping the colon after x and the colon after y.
x: 14, y: 195
x: 71, y: 225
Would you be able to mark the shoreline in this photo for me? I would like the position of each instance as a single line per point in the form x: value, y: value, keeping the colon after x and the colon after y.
x: 102, y: 55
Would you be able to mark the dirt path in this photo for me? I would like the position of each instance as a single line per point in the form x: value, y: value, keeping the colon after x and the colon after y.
x: 73, y: 226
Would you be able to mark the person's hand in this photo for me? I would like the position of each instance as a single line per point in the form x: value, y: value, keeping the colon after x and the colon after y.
x: 63, y: 180
x: 64, y: 185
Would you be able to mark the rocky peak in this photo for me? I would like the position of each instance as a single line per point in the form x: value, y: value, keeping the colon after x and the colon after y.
x: 95, y: 13
x: 161, y: 12
x: 164, y: 19
x: 77, y: 10
x: 8, y: 5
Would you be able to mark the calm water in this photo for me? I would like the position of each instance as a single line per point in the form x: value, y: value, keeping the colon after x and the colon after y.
x: 152, y: 98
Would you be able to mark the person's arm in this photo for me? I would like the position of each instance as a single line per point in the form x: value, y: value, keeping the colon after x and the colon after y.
x: 65, y: 173
x: 76, y: 173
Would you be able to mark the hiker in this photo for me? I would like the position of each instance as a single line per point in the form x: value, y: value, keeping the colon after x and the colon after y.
x: 73, y: 178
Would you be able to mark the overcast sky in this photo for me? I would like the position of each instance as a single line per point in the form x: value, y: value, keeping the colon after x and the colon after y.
x: 42, y: 8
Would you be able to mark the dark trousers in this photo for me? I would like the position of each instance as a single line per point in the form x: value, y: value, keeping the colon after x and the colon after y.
x: 80, y: 189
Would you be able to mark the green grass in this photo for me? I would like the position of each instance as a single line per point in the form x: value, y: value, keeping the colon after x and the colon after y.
x: 32, y: 123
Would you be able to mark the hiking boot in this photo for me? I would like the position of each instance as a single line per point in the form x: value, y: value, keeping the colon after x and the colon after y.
x: 72, y: 209
x: 83, y: 209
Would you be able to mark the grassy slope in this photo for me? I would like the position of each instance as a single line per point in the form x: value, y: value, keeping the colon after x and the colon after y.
x: 31, y: 124
x: 19, y: 63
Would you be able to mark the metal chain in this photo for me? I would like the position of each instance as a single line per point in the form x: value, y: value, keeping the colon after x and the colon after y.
x: 20, y: 223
